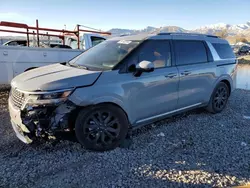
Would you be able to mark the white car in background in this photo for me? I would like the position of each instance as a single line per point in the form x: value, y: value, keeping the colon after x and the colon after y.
x: 16, y: 59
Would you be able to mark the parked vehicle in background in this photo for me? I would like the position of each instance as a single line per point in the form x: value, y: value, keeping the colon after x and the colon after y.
x: 86, y: 41
x: 243, y: 50
x: 18, y: 59
x: 123, y: 83
x: 15, y: 43
x: 42, y: 44
x: 18, y: 56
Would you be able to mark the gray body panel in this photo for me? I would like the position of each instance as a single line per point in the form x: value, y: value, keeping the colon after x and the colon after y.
x: 198, y: 85
x: 54, y: 77
x: 148, y: 97
x: 141, y: 97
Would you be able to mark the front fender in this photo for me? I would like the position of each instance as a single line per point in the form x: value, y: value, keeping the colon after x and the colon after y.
x: 80, y: 99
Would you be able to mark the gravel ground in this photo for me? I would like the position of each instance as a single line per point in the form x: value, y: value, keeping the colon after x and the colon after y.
x: 244, y: 59
x: 196, y: 149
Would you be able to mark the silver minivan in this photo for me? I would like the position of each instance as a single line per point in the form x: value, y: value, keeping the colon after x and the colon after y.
x: 121, y: 84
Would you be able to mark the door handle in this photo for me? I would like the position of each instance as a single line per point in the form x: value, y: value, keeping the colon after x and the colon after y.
x: 5, y: 53
x: 171, y: 75
x: 185, y: 73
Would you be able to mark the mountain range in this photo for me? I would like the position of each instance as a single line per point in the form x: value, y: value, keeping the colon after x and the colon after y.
x: 239, y: 29
x: 232, y: 30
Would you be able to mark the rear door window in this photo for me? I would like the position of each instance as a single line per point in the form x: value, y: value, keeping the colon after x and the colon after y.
x: 224, y: 50
x: 190, y: 52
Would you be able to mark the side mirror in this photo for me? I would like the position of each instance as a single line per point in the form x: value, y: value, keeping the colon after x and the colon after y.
x: 143, y: 66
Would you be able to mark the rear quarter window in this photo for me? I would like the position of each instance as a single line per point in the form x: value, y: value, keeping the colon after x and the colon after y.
x: 190, y: 52
x: 224, y: 50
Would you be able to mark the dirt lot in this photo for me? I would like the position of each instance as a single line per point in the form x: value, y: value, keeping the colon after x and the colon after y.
x: 244, y: 59
x: 197, y: 149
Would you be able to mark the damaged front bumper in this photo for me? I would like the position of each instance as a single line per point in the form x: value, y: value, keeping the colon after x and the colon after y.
x: 20, y: 129
x: 31, y: 122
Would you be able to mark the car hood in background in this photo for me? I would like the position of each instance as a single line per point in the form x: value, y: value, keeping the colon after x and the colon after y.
x: 54, y: 77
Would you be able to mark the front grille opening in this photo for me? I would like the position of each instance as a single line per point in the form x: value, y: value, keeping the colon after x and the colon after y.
x: 17, y: 98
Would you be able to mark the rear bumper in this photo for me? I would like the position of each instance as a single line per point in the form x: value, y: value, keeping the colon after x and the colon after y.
x: 234, y: 78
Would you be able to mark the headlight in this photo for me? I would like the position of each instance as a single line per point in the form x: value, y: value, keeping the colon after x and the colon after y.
x: 44, y: 98
x: 57, y: 95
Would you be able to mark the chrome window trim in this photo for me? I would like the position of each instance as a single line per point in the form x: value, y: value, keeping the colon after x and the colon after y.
x: 214, y: 53
x: 43, y: 92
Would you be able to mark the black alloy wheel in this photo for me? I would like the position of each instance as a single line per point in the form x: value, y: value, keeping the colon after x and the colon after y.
x: 219, y: 98
x: 101, y: 127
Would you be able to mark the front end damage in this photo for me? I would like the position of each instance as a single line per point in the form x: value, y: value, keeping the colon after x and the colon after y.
x: 44, y: 121
x: 32, y: 119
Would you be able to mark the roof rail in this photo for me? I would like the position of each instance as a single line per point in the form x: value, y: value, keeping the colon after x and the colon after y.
x: 189, y: 34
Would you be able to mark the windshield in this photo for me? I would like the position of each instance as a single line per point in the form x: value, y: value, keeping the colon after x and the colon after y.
x: 105, y: 55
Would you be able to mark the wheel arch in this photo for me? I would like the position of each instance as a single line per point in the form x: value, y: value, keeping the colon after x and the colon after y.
x: 30, y: 69
x: 228, y: 84
x: 116, y: 104
x: 227, y: 80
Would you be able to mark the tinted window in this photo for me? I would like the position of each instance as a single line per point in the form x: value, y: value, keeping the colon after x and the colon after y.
x: 96, y: 40
x: 105, y: 55
x: 14, y: 43
x: 190, y: 52
x: 245, y: 48
x: 22, y: 43
x: 155, y: 51
x: 223, y: 50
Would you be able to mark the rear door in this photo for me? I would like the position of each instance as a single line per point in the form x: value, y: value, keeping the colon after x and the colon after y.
x: 197, y: 72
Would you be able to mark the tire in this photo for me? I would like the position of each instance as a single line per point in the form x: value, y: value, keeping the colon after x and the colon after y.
x: 102, y: 127
x: 218, y: 99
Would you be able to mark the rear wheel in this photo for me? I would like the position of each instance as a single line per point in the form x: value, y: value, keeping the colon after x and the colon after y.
x: 219, y: 98
x: 102, y: 127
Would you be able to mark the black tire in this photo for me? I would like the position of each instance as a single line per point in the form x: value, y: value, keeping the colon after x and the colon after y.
x: 102, y: 127
x: 218, y: 99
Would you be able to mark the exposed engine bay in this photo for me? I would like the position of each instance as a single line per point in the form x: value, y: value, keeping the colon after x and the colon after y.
x: 40, y: 120
x: 46, y: 120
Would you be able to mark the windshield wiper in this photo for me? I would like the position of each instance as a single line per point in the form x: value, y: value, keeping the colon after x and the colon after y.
x: 78, y: 66
x: 83, y: 67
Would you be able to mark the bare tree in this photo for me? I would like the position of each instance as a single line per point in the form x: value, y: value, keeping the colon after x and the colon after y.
x: 222, y: 34
x: 241, y: 39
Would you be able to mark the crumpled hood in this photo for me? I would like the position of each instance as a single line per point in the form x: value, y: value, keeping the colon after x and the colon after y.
x: 54, y: 77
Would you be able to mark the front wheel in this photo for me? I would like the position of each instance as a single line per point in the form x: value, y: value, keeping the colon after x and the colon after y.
x: 219, y: 98
x: 101, y: 127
